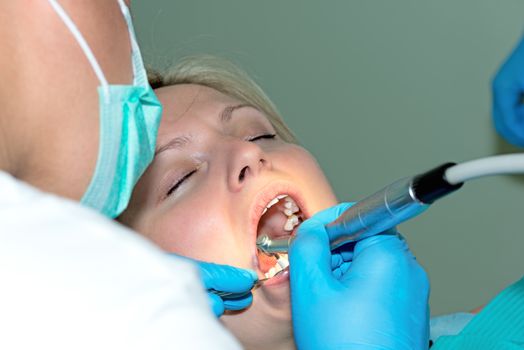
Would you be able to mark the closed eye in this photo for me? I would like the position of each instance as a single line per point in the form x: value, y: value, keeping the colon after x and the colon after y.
x: 261, y: 137
x: 180, y: 182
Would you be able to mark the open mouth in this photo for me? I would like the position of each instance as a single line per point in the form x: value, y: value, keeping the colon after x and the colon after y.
x: 281, y: 217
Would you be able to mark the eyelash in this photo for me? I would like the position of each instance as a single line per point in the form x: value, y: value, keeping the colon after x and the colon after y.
x: 179, y: 182
x: 188, y: 175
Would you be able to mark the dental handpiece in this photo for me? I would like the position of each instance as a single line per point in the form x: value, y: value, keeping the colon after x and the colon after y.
x: 387, y: 208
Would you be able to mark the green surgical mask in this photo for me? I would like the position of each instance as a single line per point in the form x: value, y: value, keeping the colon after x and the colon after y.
x: 129, y: 120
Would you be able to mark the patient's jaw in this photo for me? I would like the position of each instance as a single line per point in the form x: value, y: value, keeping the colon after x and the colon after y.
x: 217, y: 168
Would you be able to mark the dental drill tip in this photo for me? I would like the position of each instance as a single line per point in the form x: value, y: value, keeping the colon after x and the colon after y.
x: 262, y: 243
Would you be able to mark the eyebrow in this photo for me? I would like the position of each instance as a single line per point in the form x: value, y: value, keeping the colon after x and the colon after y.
x: 225, y: 115
x: 182, y: 141
x: 176, y: 143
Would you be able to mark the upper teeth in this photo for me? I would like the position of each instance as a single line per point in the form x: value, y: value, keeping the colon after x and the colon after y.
x: 290, y: 208
x: 273, y: 202
x: 291, y: 222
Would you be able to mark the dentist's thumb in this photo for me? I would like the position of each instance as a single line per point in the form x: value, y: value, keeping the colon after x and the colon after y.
x: 309, y: 260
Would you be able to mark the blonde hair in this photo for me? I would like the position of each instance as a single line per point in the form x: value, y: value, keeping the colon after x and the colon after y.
x: 225, y: 77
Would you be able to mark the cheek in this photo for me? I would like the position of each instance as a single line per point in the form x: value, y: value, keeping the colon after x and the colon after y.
x: 192, y: 228
x: 200, y: 226
x: 305, y: 170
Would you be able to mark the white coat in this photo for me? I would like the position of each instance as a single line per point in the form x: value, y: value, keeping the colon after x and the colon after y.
x: 72, y: 279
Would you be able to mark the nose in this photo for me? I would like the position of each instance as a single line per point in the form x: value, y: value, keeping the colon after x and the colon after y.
x: 246, y: 160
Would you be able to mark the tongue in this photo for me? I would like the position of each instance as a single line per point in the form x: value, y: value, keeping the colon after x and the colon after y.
x: 265, y: 262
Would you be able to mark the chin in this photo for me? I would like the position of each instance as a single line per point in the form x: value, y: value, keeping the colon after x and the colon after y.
x: 266, y: 324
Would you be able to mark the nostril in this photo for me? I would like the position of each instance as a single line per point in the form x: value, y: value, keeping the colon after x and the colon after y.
x: 242, y: 174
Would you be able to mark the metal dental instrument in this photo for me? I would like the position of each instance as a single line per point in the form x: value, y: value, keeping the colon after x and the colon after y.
x: 233, y: 295
x: 401, y: 201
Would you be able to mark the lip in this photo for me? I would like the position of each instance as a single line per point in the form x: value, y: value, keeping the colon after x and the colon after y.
x: 263, y: 197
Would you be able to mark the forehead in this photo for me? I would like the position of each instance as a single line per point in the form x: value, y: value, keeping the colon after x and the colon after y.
x: 190, y: 100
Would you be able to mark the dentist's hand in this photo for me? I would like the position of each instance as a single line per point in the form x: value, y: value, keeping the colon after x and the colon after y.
x: 508, y: 93
x: 227, y: 278
x: 370, y: 295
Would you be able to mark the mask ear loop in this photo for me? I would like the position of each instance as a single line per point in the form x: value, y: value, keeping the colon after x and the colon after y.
x: 83, y: 45
x: 139, y: 71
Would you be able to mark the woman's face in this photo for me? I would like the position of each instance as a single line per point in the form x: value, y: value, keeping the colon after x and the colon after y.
x: 217, y: 166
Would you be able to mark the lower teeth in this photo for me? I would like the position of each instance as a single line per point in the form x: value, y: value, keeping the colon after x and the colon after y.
x: 281, y: 264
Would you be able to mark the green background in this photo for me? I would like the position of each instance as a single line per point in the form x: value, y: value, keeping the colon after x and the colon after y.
x: 378, y: 90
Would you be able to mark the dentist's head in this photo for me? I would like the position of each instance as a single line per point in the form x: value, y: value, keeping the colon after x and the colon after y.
x: 79, y: 118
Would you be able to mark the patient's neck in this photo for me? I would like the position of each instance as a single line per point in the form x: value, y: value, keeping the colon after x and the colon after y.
x: 268, y: 341
x: 256, y: 331
x: 8, y: 157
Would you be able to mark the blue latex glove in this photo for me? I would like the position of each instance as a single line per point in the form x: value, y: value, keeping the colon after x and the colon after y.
x: 225, y: 278
x: 368, y: 295
x: 508, y: 91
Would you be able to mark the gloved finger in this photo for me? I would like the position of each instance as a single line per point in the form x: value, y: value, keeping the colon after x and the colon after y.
x: 345, y: 252
x: 342, y: 256
x: 338, y: 259
x: 384, y: 258
x: 341, y: 270
x: 226, y: 278
x: 341, y: 259
x: 387, y: 258
x: 238, y: 303
x: 216, y: 303
x: 310, y: 255
x: 312, y: 246
x: 384, y: 243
